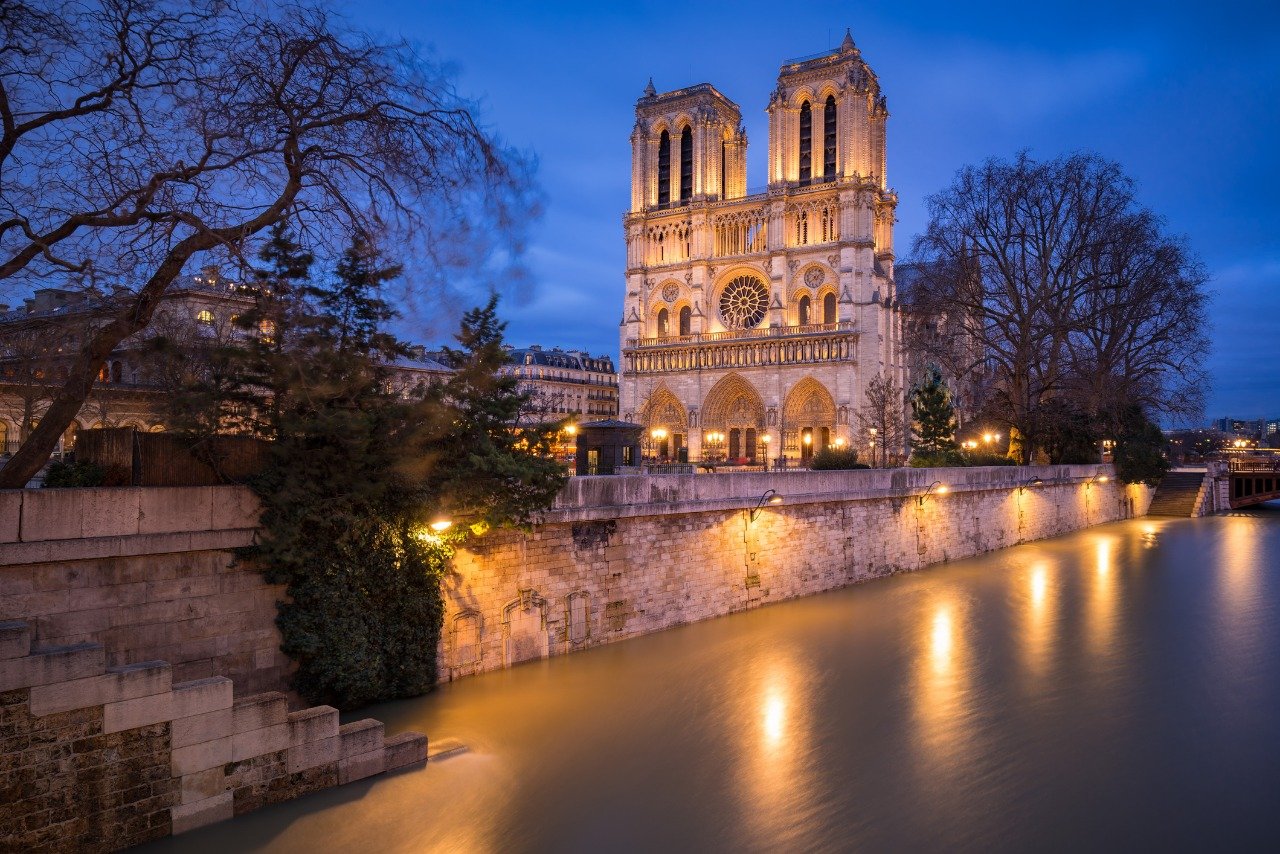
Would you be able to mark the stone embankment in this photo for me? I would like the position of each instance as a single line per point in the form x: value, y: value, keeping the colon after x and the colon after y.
x: 97, y: 758
x: 622, y: 556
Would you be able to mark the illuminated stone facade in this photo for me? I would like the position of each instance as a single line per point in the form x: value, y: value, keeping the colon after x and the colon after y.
x: 753, y: 321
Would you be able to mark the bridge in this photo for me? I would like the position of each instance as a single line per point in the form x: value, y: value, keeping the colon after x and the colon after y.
x: 1253, y: 480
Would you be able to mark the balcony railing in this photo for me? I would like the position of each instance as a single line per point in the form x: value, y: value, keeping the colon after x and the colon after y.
x: 739, y: 334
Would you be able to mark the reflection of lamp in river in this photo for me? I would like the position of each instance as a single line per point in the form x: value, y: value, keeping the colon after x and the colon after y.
x: 941, y: 645
x: 775, y: 716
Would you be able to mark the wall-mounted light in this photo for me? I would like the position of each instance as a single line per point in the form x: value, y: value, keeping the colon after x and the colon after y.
x: 1100, y: 478
x: 935, y: 488
x: 440, y: 524
x: 1035, y: 481
x: 772, y: 496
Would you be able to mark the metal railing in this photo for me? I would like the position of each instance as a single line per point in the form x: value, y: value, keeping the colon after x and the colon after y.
x: 744, y: 334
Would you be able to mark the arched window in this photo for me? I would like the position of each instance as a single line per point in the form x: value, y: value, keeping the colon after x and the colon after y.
x: 724, y: 175
x: 686, y: 164
x: 662, y: 323
x: 806, y: 143
x: 802, y: 228
x: 204, y: 317
x: 664, y: 169
x: 804, y: 311
x: 117, y: 372
x: 829, y: 138
x: 686, y: 321
x: 829, y: 308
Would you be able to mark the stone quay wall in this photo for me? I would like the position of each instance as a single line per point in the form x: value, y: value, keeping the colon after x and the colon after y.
x: 97, y: 758
x: 147, y: 573
x: 622, y: 556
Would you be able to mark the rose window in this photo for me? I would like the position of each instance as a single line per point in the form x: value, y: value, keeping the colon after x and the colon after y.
x: 743, y: 303
x: 670, y: 291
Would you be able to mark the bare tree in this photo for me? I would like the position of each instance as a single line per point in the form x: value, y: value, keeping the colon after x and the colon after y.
x: 137, y: 135
x: 881, y: 419
x: 1054, y: 284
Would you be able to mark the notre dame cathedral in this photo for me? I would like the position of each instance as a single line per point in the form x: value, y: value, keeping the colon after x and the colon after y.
x: 753, y: 320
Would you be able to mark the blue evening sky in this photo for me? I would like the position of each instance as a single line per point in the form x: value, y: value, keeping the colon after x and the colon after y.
x: 1183, y: 95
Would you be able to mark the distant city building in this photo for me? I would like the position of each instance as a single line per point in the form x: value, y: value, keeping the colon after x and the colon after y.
x: 39, y: 341
x: 566, y: 383
x: 754, y: 321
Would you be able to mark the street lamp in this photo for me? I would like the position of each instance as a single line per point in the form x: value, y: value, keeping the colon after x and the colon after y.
x: 771, y: 496
x: 1035, y: 481
x: 935, y: 488
x: 1100, y: 478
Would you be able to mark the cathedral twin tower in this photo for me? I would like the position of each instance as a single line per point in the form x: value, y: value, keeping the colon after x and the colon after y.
x: 753, y: 322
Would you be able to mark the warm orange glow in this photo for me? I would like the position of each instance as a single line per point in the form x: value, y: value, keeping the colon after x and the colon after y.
x: 440, y: 525
x: 943, y: 490
x: 941, y: 641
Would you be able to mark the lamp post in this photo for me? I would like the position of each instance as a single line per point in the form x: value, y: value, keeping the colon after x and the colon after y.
x: 765, y: 440
x: 771, y: 496
x: 935, y: 488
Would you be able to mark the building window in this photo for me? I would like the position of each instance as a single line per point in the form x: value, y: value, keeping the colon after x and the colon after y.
x: 829, y: 308
x: 686, y: 321
x: 204, y: 317
x: 804, y: 311
x: 806, y: 143
x: 829, y: 138
x: 686, y: 164
x: 664, y: 169
x: 267, y: 330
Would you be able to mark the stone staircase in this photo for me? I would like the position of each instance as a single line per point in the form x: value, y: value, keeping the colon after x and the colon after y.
x: 1177, y: 494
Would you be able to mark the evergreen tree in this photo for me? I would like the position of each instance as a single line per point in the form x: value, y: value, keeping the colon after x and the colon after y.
x: 483, y: 464
x: 279, y: 287
x: 934, y: 418
x: 1139, y: 452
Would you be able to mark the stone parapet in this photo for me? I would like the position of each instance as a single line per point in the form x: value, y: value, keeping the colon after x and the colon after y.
x: 98, y: 758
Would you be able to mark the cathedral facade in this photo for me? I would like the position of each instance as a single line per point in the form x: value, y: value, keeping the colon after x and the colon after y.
x: 753, y: 321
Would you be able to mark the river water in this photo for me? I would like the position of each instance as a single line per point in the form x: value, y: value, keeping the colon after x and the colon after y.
x: 1118, y: 688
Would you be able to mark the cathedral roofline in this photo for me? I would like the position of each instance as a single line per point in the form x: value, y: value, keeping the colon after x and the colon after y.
x: 686, y: 92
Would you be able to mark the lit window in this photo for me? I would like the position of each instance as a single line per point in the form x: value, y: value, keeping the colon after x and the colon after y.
x: 267, y: 329
x: 204, y: 317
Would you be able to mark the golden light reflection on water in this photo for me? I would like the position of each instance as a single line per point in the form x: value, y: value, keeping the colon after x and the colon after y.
x: 941, y: 689
x: 1102, y: 604
x: 1238, y: 600
x: 942, y: 642
x: 1039, y: 619
x: 777, y: 790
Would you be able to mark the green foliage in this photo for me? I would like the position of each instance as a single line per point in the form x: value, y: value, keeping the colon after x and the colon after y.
x: 985, y: 458
x: 1139, y: 452
x: 934, y: 419
x: 964, y: 459
x: 1066, y: 433
x: 830, y: 459
x: 477, y: 462
x: 357, y: 469
x: 63, y: 474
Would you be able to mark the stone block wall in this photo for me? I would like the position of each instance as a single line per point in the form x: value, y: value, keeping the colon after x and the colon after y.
x: 97, y: 758
x: 148, y: 573
x: 624, y: 556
